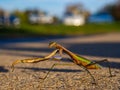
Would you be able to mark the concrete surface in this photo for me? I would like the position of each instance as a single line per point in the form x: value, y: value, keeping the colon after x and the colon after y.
x: 28, y: 76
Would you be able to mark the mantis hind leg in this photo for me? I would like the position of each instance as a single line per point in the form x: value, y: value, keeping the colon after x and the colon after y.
x: 104, y: 60
x: 93, y: 82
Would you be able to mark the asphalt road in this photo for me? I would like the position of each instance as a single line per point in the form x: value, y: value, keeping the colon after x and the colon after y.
x: 27, y: 76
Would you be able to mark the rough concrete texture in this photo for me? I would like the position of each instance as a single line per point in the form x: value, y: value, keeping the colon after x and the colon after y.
x: 29, y: 76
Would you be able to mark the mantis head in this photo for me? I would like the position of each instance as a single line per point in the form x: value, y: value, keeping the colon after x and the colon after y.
x: 52, y: 44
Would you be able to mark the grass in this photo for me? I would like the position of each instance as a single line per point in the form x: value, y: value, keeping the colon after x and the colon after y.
x: 59, y: 29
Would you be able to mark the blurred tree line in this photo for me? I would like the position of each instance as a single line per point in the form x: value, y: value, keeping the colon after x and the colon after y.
x: 24, y: 15
x: 113, y: 9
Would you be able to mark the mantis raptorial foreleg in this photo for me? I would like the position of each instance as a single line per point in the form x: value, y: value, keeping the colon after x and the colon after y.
x: 34, y: 60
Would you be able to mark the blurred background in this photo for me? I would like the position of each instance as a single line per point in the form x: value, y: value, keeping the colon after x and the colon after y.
x: 21, y: 18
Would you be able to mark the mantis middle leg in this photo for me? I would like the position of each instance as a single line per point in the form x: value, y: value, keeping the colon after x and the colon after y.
x: 93, y: 82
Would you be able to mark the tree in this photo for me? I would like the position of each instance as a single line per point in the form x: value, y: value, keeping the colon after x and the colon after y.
x: 76, y: 9
x: 113, y: 9
x: 1, y: 12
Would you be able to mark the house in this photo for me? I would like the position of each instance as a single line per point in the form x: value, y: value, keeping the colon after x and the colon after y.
x: 43, y: 19
x: 74, y: 15
x: 74, y: 20
x: 100, y: 18
x: 9, y: 20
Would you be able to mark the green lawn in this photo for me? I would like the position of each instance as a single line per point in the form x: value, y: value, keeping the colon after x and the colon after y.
x: 40, y: 30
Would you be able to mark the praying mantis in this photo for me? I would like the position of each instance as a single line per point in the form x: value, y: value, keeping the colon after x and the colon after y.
x: 76, y: 59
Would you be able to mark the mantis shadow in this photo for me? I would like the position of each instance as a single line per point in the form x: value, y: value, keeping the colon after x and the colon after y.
x: 2, y: 69
x: 48, y: 69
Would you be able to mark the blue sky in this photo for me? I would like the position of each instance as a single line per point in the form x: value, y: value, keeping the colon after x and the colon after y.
x: 53, y: 7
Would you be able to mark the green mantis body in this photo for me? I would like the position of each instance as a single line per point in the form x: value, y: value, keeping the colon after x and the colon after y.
x: 78, y: 60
